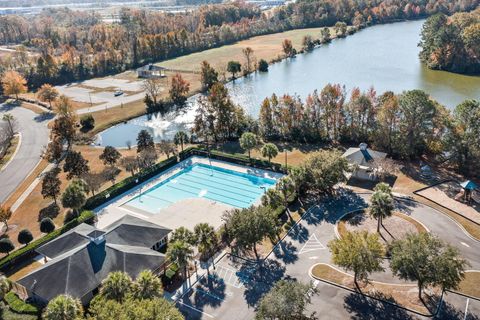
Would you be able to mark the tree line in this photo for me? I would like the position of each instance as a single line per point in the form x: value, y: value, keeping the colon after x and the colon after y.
x: 452, y: 43
x: 407, y: 125
x: 72, y: 45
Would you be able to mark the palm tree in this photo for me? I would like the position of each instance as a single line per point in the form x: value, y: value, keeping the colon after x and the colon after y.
x: 5, y: 286
x: 269, y: 150
x: 383, y: 187
x: 297, y: 175
x: 116, y: 286
x: 63, y: 307
x: 286, y: 188
x: 180, y: 253
x: 183, y: 234
x: 381, y: 207
x: 206, y: 240
x: 147, y: 286
x: 180, y: 138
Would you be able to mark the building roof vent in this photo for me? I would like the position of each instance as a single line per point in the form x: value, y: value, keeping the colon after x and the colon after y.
x: 96, y: 236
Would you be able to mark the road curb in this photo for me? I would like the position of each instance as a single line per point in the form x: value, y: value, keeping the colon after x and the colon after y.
x: 14, y: 153
x: 374, y: 298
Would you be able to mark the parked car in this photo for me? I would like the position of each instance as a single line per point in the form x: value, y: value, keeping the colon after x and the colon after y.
x: 118, y: 92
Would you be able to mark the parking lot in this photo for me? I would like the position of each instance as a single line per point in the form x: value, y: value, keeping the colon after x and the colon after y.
x: 456, y: 306
x: 236, y: 286
x: 220, y: 293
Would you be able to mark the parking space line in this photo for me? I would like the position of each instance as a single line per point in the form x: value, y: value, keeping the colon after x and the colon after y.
x: 209, y: 294
x: 193, y: 308
x: 466, y: 309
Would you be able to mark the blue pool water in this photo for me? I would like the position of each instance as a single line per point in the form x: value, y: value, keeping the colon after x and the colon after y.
x: 233, y: 188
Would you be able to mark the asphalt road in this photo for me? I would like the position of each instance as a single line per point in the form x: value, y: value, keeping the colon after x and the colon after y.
x: 34, y: 131
x: 237, y: 293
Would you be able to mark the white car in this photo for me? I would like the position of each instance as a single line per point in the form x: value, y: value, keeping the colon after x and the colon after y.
x: 118, y: 93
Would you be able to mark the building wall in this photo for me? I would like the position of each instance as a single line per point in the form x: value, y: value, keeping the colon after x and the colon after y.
x: 365, y: 174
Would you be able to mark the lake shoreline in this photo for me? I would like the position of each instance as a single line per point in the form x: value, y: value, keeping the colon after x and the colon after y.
x: 288, y: 75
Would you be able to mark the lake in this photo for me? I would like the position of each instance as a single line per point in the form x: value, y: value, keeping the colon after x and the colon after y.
x: 382, y: 56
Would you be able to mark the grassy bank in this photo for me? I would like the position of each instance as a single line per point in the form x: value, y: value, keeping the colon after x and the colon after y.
x: 267, y: 47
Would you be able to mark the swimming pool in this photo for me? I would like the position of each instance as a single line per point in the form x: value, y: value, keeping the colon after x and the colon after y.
x: 199, y: 180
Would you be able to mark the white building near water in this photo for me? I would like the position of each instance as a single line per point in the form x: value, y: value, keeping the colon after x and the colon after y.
x: 362, y: 159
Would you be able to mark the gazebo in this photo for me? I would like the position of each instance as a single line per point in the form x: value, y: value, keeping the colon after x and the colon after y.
x: 468, y: 186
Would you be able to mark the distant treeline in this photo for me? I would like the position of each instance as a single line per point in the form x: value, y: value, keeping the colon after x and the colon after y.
x: 452, y: 43
x: 74, y: 45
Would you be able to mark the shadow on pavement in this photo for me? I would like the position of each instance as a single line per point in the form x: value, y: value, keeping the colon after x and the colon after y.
x: 286, y: 252
x: 448, y: 311
x: 260, y: 280
x: 363, y: 308
x: 44, y: 116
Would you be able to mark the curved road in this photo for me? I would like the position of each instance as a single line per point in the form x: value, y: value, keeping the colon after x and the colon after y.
x: 35, y: 135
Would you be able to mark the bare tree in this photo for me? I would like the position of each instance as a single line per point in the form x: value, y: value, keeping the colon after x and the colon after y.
x: 167, y: 148
x: 248, y: 53
x: 153, y: 88
x: 385, y: 167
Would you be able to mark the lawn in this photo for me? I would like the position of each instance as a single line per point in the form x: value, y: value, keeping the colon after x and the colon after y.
x: 268, y: 47
x: 109, y: 117
x: 27, y: 215
x: 395, y: 226
x: 470, y: 285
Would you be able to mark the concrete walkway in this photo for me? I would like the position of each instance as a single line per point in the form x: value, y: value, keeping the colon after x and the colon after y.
x: 35, y: 135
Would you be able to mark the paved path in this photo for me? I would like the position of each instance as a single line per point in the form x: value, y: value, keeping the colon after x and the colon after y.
x: 114, y: 102
x: 303, y: 247
x: 34, y: 131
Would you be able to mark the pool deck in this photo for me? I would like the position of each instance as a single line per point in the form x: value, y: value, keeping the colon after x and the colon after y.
x: 185, y: 213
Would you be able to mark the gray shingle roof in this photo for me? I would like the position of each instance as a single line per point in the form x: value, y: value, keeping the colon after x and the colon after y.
x: 67, y: 241
x: 79, y: 265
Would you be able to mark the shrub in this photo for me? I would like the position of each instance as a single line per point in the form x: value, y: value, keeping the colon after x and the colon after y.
x: 28, y: 249
x: 70, y: 216
x: 19, y: 306
x: 25, y: 236
x: 263, y: 65
x: 6, y: 245
x: 50, y: 211
x: 87, y: 121
x: 47, y: 225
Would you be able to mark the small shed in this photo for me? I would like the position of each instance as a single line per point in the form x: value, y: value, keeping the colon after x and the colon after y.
x: 151, y: 71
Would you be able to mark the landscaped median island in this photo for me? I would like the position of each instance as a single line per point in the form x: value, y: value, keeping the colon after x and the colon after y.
x: 396, y: 226
x: 9, y: 151
x: 403, y: 295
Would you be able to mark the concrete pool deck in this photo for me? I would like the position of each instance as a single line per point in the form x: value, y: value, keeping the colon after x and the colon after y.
x: 184, y: 213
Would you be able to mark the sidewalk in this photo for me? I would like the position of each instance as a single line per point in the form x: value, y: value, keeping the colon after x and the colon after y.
x: 194, y: 278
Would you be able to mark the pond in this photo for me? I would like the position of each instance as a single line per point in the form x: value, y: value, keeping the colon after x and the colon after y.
x: 382, y: 56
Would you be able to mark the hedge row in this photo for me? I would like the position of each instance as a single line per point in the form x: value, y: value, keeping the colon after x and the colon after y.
x: 29, y: 250
x: 235, y: 158
x: 17, y: 305
x: 128, y: 183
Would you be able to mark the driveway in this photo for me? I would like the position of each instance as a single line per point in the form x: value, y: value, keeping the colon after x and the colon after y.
x: 35, y: 135
x: 304, y: 246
